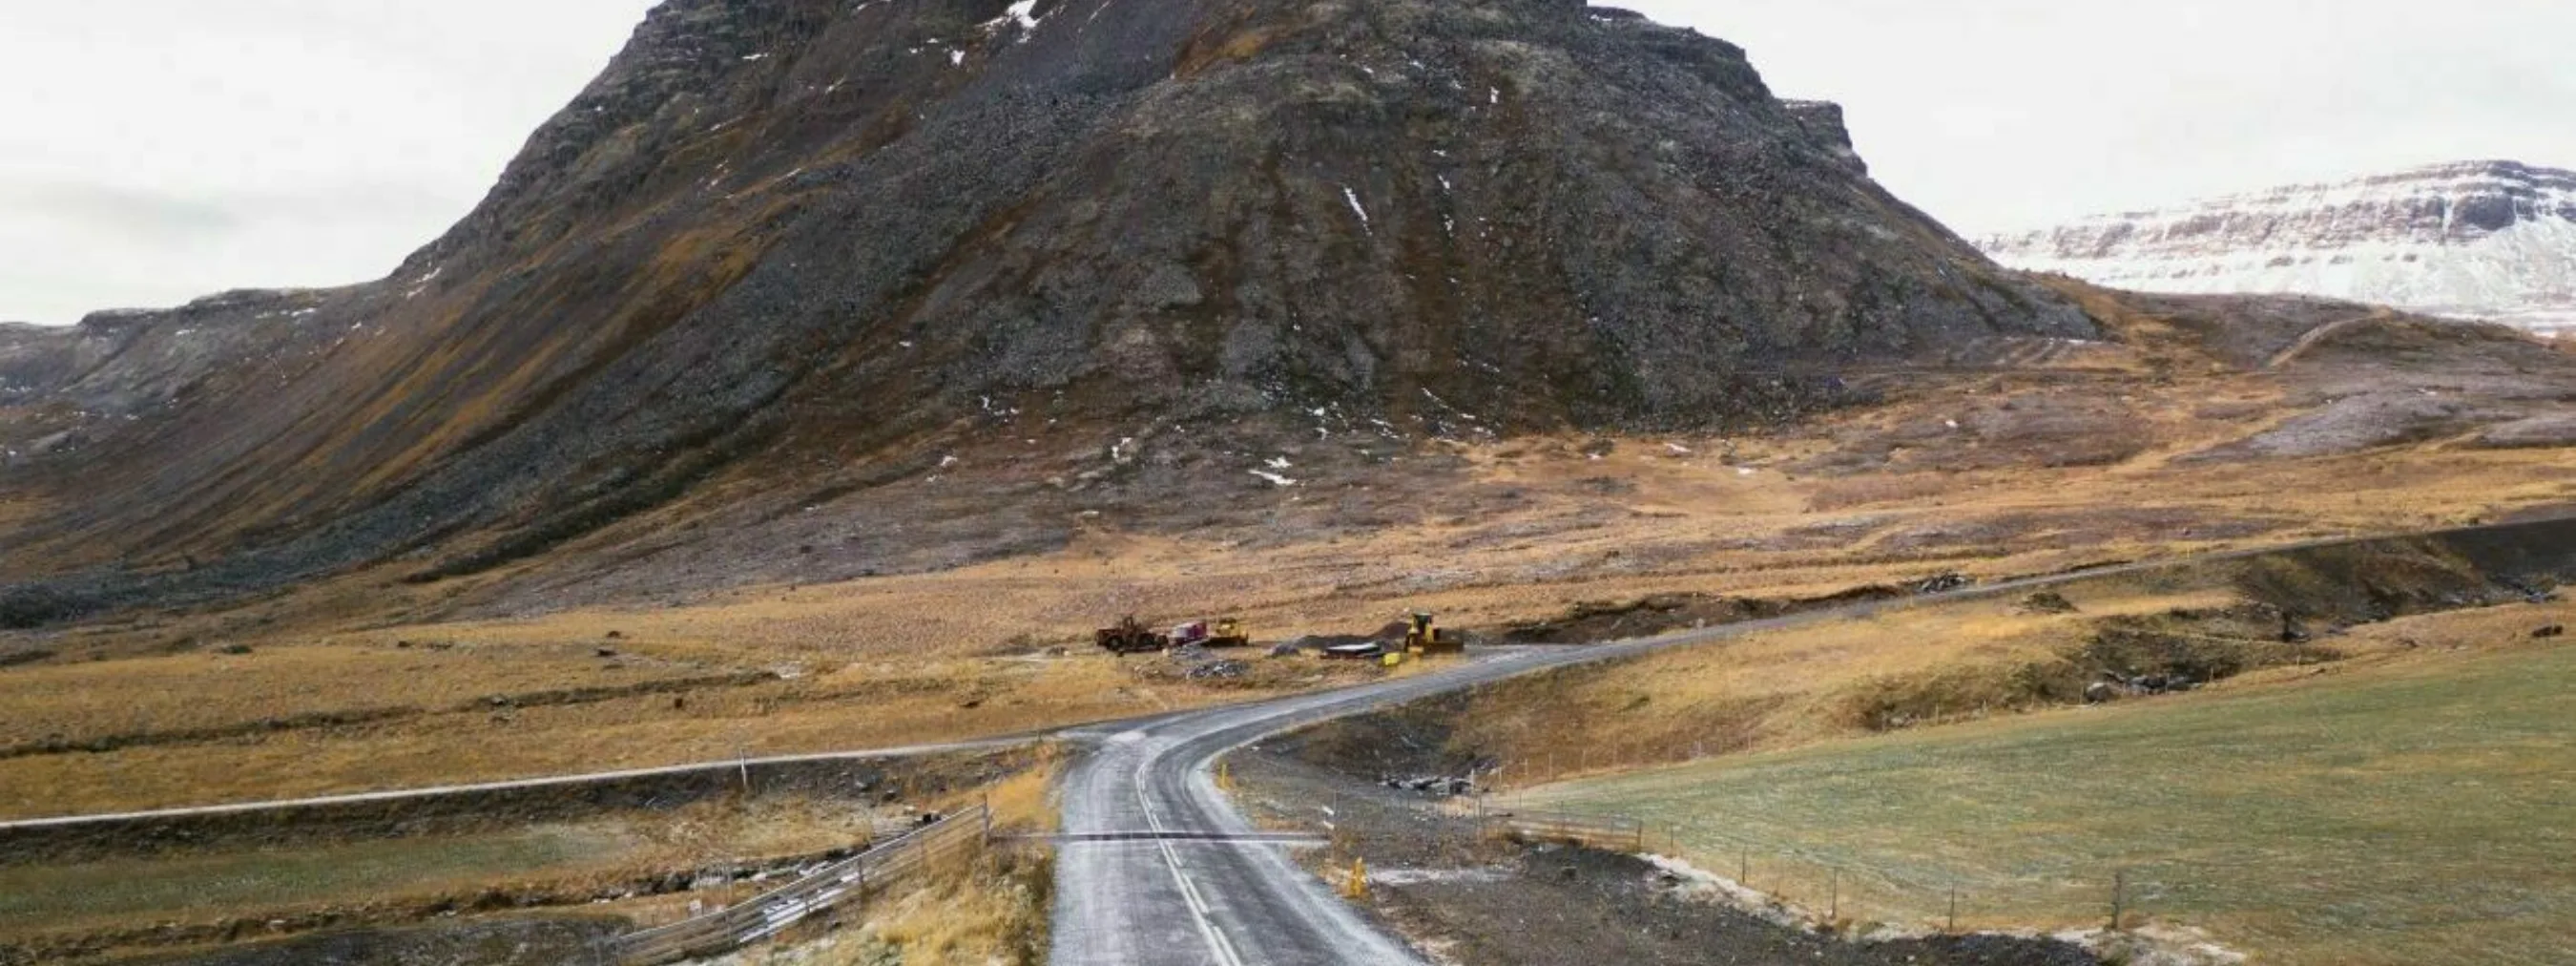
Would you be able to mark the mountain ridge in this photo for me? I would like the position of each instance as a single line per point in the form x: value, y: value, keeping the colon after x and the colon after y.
x: 2475, y: 239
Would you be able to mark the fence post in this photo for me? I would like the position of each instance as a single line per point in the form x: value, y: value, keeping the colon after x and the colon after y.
x: 1834, y: 896
x: 1954, y: 907
x: 2119, y: 896
x: 1744, y: 866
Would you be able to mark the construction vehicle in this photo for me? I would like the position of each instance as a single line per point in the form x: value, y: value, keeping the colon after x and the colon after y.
x: 1424, y: 637
x: 1131, y: 636
x: 1226, y: 632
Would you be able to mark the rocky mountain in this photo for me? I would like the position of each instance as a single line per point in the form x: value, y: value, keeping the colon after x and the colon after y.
x: 2489, y: 240
x: 793, y: 257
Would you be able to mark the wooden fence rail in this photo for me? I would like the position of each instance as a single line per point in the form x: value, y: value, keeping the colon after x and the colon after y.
x: 1609, y: 832
x: 773, y: 912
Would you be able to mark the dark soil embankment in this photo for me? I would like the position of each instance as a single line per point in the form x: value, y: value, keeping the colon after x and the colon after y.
x: 1573, y: 905
x: 874, y: 781
x: 518, y: 942
x: 1595, y: 621
x: 384, y: 931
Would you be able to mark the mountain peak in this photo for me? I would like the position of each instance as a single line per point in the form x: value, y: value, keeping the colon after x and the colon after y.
x: 798, y: 247
x: 2471, y: 239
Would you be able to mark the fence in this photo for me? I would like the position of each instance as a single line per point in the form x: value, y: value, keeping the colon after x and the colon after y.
x: 775, y: 911
x: 1609, y: 833
x: 1830, y: 890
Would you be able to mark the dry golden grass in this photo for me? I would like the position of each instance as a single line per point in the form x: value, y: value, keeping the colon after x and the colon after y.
x: 1525, y: 530
x: 971, y: 909
x: 1027, y: 800
x: 993, y: 910
x: 950, y: 655
x: 1767, y: 690
x: 847, y: 708
x: 211, y: 689
x: 1792, y: 687
x: 15, y: 508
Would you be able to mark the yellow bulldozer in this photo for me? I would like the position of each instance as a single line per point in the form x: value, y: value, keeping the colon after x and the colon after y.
x: 1425, y: 637
x: 1227, y: 632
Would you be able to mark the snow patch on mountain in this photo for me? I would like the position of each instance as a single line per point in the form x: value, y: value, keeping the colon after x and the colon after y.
x: 2489, y: 240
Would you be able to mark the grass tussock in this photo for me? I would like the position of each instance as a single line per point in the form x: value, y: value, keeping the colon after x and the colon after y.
x: 977, y: 909
x: 1026, y: 801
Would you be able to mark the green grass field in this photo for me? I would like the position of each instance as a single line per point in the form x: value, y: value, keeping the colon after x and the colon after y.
x: 128, y: 891
x: 2415, y: 813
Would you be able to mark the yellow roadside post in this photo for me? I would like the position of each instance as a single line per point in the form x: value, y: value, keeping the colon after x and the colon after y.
x: 1357, y: 888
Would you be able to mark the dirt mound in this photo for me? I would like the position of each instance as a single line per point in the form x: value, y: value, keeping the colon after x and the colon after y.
x: 1589, y: 622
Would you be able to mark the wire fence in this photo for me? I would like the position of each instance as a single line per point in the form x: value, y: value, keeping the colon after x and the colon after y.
x: 1834, y: 891
x: 779, y: 909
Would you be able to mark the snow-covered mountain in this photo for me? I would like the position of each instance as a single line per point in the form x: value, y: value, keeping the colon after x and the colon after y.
x: 2486, y: 239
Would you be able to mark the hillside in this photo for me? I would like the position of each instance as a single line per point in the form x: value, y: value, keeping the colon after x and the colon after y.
x: 797, y: 251
x: 2487, y: 240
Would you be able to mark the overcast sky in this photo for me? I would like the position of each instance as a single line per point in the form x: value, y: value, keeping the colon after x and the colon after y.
x: 156, y: 150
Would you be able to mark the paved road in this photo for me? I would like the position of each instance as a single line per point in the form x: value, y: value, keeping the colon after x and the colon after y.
x: 1182, y: 903
x: 1167, y: 903
x: 1171, y: 901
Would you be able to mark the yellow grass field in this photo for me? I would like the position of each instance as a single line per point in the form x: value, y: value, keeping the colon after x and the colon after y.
x: 329, y: 698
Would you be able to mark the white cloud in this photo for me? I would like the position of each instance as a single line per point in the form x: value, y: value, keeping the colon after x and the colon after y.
x: 157, y: 150
x: 1995, y: 114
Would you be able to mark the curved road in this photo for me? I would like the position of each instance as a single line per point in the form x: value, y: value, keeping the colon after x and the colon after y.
x: 2309, y: 339
x: 1194, y: 903
x: 1195, y: 898
x: 1176, y: 902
